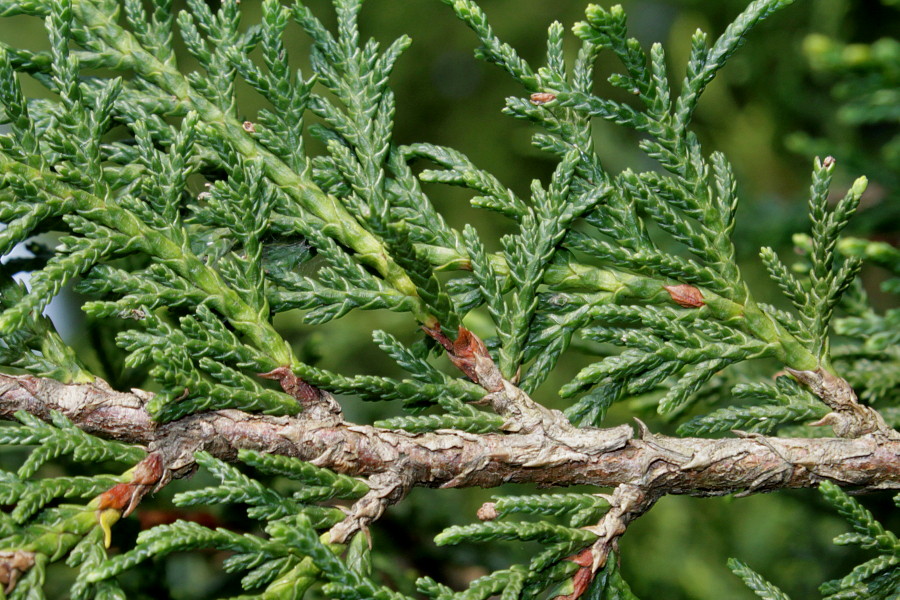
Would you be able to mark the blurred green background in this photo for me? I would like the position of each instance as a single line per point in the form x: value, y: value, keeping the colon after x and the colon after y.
x: 820, y: 77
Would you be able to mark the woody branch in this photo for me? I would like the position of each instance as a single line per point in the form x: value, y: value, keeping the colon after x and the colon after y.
x: 656, y: 463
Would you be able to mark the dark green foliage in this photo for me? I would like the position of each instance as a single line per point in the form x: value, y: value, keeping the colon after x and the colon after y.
x: 763, y: 588
x: 783, y: 403
x: 291, y: 557
x: 36, y: 523
x: 204, y: 235
x: 876, y: 578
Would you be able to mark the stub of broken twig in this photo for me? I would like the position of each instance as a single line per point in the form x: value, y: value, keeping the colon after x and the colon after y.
x: 319, y: 403
x: 848, y: 418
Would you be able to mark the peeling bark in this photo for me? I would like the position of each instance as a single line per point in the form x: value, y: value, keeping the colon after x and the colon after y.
x: 848, y: 418
x: 657, y: 464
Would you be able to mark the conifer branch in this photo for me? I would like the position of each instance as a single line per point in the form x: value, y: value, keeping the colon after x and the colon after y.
x: 657, y: 464
x: 312, y: 200
x: 639, y: 269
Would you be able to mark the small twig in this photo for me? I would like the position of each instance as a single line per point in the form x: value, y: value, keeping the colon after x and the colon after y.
x: 627, y: 503
x: 385, y: 489
x: 319, y: 404
x: 523, y: 415
x: 848, y: 418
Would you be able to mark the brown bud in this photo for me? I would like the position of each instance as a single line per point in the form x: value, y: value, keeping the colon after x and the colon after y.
x: 248, y: 127
x: 828, y: 162
x: 542, y: 98
x: 464, y: 351
x: 293, y: 385
x: 118, y: 497
x: 123, y: 498
x: 583, y: 577
x: 487, y: 512
x: 585, y: 558
x: 149, y: 471
x: 685, y: 295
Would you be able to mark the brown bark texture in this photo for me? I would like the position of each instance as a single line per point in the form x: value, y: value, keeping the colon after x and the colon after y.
x: 546, y: 452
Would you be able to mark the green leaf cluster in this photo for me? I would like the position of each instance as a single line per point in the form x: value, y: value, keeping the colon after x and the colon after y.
x: 37, y: 523
x: 613, y: 279
x: 549, y: 569
x: 290, y: 554
x: 640, y: 260
x: 870, y: 354
x: 197, y: 231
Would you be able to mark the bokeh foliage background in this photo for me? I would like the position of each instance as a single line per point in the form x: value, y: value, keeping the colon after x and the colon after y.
x: 821, y: 77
